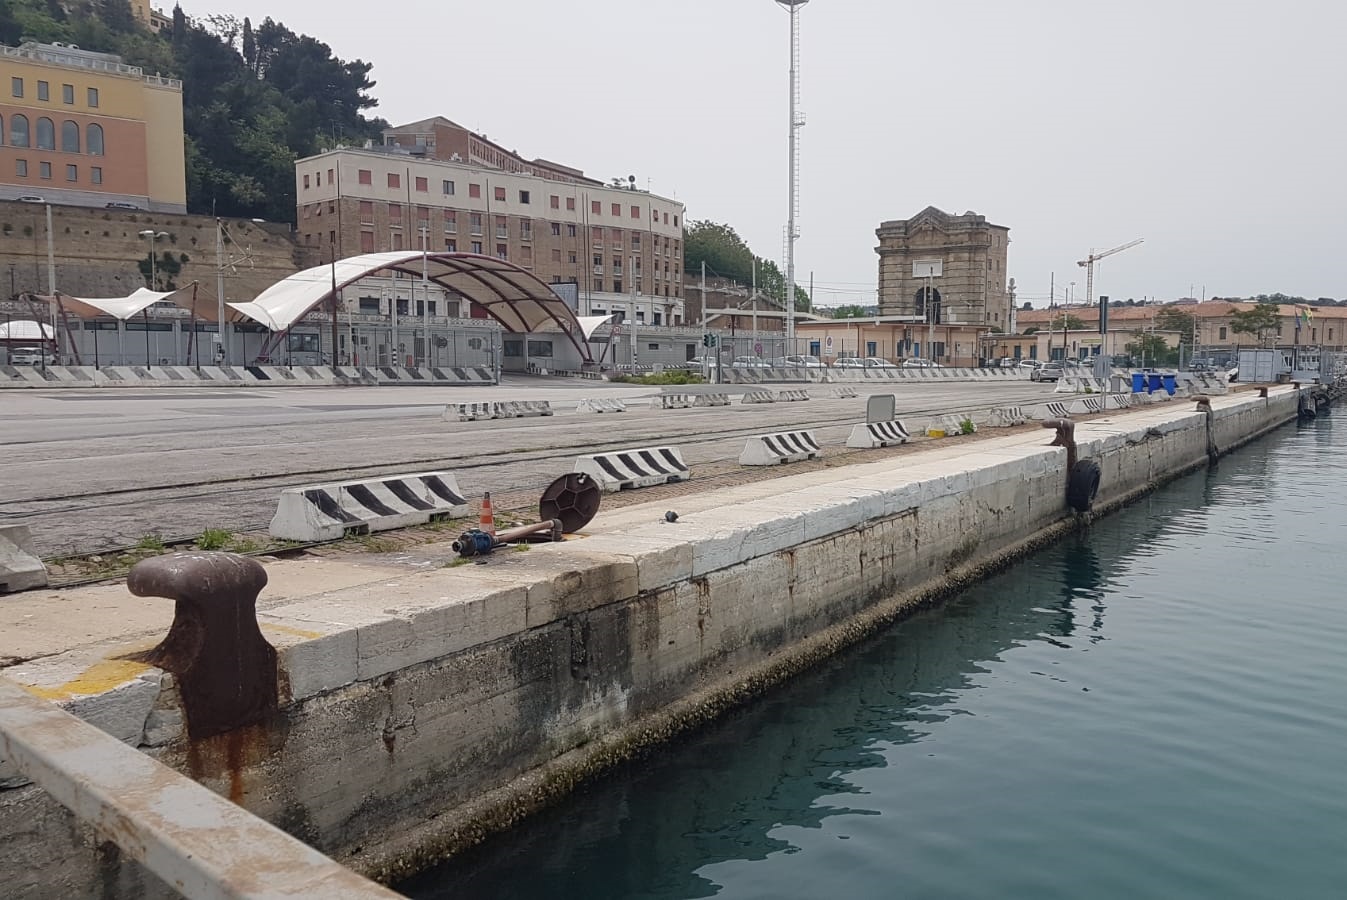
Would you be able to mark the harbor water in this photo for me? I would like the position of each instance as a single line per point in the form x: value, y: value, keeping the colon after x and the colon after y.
x: 1155, y: 707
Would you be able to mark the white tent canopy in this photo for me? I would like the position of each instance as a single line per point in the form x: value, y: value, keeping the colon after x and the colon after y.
x: 25, y: 330
x: 591, y: 324
x: 117, y: 307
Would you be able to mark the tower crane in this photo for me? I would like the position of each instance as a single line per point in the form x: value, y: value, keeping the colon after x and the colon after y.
x: 1089, y: 261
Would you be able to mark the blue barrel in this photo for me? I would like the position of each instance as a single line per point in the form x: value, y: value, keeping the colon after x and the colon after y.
x: 1138, y: 382
x: 1155, y: 382
x: 1170, y: 385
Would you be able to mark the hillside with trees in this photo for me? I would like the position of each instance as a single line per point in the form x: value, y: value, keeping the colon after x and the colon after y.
x: 727, y: 256
x: 255, y: 99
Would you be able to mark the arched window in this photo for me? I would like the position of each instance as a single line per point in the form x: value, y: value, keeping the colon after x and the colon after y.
x: 18, y: 131
x: 926, y: 303
x: 46, y: 134
x: 94, y: 135
x: 70, y: 137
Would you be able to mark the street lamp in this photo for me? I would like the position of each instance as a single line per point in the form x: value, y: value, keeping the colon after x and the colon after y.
x: 153, y: 236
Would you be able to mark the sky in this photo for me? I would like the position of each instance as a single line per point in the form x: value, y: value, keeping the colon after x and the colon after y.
x: 1216, y: 132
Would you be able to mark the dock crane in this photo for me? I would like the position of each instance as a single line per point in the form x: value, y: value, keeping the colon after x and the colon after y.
x: 1089, y: 261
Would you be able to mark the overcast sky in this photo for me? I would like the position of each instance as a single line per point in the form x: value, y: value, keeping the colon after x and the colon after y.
x: 1213, y: 130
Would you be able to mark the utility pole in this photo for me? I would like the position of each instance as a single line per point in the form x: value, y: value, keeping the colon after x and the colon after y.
x: 796, y: 123
x: 425, y: 293
x: 51, y: 292
x: 754, y: 301
x: 633, y: 314
x: 223, y: 352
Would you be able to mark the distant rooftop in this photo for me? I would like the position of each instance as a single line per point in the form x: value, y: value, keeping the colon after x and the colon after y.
x: 73, y: 56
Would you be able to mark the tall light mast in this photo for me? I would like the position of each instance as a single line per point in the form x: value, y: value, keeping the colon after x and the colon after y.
x: 796, y: 122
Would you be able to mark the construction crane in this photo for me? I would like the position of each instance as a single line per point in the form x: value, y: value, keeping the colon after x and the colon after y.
x: 1089, y: 261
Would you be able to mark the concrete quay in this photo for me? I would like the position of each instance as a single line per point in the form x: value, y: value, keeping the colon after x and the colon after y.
x: 423, y: 705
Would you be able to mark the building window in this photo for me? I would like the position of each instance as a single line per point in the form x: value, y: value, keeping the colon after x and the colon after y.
x: 448, y: 189
x: 636, y: 240
x: 475, y: 223
x: 675, y: 221
x: 526, y: 229
x: 526, y: 256
x: 451, y: 245
x: 555, y: 201
x: 331, y: 179
x: 598, y: 285
x: 44, y: 171
x: 366, y: 212
x: 93, y: 97
x: 513, y: 348
x: 18, y: 131
x: 1222, y: 337
x: 595, y: 207
x: 502, y: 251
x: 46, y: 134
x: 636, y: 212
x: 500, y: 194
x: 570, y: 203
x: 21, y: 168
x: 94, y: 138
x: 96, y: 174
x: 556, y: 254
x: 598, y: 263
x: 556, y: 229
x: 477, y: 247
x: 617, y: 286
x: 475, y: 190
x: 394, y: 214
x: 540, y: 348
x: 72, y: 173
x: 617, y: 209
x: 394, y: 180
x: 306, y: 182
x: 572, y: 258
x: 16, y: 87
x: 318, y: 178
x: 450, y: 221
x: 523, y: 196
x: 364, y: 176
x: 422, y: 185
x: 68, y: 94
x: 366, y: 242
x: 570, y: 230
x: 42, y: 90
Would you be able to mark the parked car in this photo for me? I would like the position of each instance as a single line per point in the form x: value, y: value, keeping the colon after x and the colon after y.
x: 803, y: 362
x: 30, y: 198
x: 917, y: 362
x: 849, y: 362
x: 750, y: 362
x: 1047, y: 372
x: 701, y: 362
x: 875, y: 362
x: 1030, y: 364
x: 30, y: 356
x: 120, y: 205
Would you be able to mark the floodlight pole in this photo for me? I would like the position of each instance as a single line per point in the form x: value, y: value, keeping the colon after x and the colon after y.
x: 793, y: 8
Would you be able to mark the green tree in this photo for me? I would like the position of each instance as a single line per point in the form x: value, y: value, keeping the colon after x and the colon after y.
x: 1151, y: 349
x: 1026, y: 306
x: 1172, y: 318
x: 1067, y: 321
x: 1260, y: 321
x: 850, y: 311
x: 727, y: 255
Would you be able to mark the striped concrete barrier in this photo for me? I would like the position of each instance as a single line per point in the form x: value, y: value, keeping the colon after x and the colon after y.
x: 20, y: 568
x: 1008, y: 416
x: 792, y: 395
x: 620, y: 470
x: 845, y: 393
x: 505, y: 409
x: 701, y: 401
x: 601, y: 405
x: 1117, y: 401
x: 1053, y: 409
x: 672, y: 401
x: 869, y: 435
x: 1086, y: 405
x: 326, y: 512
x: 779, y: 447
x: 758, y: 397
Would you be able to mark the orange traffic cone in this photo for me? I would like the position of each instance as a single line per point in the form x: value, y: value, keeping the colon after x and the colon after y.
x: 487, y: 523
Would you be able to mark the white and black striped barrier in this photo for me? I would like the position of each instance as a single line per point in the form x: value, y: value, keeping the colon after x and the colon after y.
x: 844, y: 393
x: 601, y: 405
x: 1086, y: 405
x: 877, y: 434
x: 792, y: 395
x: 507, y: 409
x: 780, y: 447
x: 326, y: 512
x: 623, y: 469
x: 672, y: 401
x: 1008, y: 416
x: 1117, y: 401
x: 1054, y: 409
x: 705, y: 400
x: 758, y: 397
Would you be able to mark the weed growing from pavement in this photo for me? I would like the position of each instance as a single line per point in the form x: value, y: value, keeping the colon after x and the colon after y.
x: 214, y: 539
x: 150, y: 542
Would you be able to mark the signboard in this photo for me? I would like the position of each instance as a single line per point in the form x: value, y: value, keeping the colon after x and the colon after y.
x: 928, y: 268
x: 828, y: 343
x: 757, y: 348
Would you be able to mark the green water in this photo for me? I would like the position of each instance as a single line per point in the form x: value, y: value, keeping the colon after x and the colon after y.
x: 1154, y: 708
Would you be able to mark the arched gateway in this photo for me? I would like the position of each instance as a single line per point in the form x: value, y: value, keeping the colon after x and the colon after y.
x: 512, y: 296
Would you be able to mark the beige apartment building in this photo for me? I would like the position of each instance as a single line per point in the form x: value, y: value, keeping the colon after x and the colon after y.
x: 604, y: 248
x: 84, y: 129
x: 965, y: 257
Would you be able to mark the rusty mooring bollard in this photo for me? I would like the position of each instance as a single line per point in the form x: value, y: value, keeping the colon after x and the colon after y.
x: 226, y: 670
x: 1066, y: 437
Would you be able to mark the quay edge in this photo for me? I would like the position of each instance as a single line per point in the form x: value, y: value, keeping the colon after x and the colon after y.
x: 420, y: 715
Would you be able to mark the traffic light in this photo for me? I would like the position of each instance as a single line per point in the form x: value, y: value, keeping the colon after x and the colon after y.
x: 708, y: 340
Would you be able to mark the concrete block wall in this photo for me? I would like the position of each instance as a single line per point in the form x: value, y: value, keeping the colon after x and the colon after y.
x: 420, y: 712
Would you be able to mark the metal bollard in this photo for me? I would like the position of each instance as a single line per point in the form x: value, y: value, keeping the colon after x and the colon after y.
x: 226, y: 670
